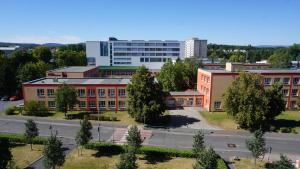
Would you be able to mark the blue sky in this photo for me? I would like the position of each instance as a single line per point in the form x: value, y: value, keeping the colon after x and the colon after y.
x: 242, y: 22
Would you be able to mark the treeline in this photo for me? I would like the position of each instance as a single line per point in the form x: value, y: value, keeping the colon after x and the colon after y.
x: 279, y: 57
x: 28, y: 64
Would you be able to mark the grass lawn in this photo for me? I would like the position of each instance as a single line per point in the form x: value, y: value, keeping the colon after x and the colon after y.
x: 122, y: 117
x: 220, y: 119
x: 23, y: 156
x: 89, y: 161
x: 286, y: 119
x: 244, y: 163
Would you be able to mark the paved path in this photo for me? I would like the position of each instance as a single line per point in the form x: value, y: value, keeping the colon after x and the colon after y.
x: 189, y: 117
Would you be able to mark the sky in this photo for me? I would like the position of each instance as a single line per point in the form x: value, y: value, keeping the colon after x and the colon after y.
x: 236, y: 22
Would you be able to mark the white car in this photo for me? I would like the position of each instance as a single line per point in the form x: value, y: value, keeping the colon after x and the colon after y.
x: 21, y: 105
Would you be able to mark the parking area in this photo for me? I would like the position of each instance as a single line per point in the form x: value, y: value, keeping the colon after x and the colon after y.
x: 5, y: 104
x: 189, y: 117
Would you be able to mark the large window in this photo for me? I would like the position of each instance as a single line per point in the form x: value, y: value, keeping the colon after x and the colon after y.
x: 296, y: 81
x: 102, y: 104
x: 293, y: 104
x: 91, y: 93
x: 92, y: 104
x: 82, y: 104
x: 101, y: 92
x: 111, y: 92
x: 51, y: 104
x: 295, y: 92
x: 40, y: 92
x: 121, y: 92
x: 276, y: 80
x: 111, y: 104
x: 217, y: 105
x: 50, y: 92
x: 122, y: 104
x: 81, y: 92
x: 286, y: 81
x: 285, y: 92
x: 267, y: 81
x: 180, y: 101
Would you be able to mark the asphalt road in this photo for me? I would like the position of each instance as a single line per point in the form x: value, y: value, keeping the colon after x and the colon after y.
x: 5, y: 104
x: 288, y: 144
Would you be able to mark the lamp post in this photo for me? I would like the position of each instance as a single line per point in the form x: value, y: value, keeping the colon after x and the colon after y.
x: 99, y: 132
x: 50, y: 128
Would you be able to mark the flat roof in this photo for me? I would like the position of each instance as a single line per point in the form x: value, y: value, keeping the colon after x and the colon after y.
x: 117, y: 67
x: 255, y: 71
x: 80, y: 81
x: 185, y: 93
x: 73, y: 69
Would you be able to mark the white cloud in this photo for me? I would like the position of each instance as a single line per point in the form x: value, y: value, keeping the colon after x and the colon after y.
x: 44, y: 39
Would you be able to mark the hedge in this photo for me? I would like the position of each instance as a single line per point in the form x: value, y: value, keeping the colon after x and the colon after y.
x: 19, y: 138
x: 221, y: 164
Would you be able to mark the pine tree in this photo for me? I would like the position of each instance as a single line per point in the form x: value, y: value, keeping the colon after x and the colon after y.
x: 257, y: 145
x: 31, y: 131
x: 84, y: 135
x: 134, y: 138
x: 198, y: 144
x: 53, y: 153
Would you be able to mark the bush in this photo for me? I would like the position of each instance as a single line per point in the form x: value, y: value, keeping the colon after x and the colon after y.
x: 20, y: 138
x: 102, y: 117
x: 10, y: 110
x: 221, y: 164
x: 171, y: 152
x: 105, y: 148
x: 33, y: 108
x: 285, y: 130
x: 77, y: 115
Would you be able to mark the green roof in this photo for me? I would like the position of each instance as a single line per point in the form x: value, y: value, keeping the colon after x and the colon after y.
x: 117, y: 67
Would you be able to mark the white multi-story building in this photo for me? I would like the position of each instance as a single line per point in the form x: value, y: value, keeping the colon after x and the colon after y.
x: 153, y: 53
x: 196, y: 48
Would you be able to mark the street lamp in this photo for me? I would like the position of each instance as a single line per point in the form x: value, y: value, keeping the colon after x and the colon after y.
x: 50, y: 128
x: 99, y: 132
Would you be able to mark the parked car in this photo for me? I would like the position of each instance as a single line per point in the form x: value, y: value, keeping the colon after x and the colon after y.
x: 5, y: 98
x: 13, y: 98
x: 21, y: 105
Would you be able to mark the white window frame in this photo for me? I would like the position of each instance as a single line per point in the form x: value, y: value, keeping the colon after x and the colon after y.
x: 293, y: 93
x: 101, y: 92
x: 285, y: 94
x: 286, y: 82
x: 100, y: 105
x: 122, y: 94
x: 40, y: 92
x: 51, y: 104
x: 91, y: 92
x: 297, y: 81
x: 50, y: 94
x: 267, y: 81
x: 276, y: 80
x: 110, y: 105
x: 217, y: 105
x: 122, y: 106
x: 82, y: 105
x: 93, y: 106
x: 81, y: 92
x: 111, y: 92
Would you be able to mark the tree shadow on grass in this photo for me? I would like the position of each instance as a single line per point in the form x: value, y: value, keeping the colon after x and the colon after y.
x: 279, y: 123
x: 154, y: 159
x: 181, y: 120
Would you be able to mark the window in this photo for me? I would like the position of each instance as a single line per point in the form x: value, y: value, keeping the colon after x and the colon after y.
x: 111, y: 92
x: 111, y: 104
x: 217, y: 105
x: 295, y: 92
x: 141, y: 59
x: 146, y: 59
x: 82, y: 104
x: 190, y: 102
x: 180, y: 101
x: 51, y: 104
x: 91, y: 93
x: 198, y: 102
x: 92, y: 104
x: 50, y: 92
x: 286, y: 81
x: 122, y: 104
x: 40, y: 92
x: 285, y: 92
x: 296, y: 81
x: 81, y: 92
x: 102, y: 104
x: 121, y: 92
x: 267, y: 81
x: 293, y: 105
x: 276, y: 80
x: 101, y: 92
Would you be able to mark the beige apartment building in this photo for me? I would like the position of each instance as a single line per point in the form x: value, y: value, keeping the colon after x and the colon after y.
x: 212, y: 83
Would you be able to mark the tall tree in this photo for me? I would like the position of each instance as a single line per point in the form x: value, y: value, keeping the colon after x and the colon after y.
x: 283, y: 163
x: 280, y: 59
x: 70, y: 58
x: 275, y: 104
x: 65, y: 98
x: 206, y: 160
x: 134, y: 138
x: 192, y: 66
x: 198, y: 145
x: 42, y: 53
x: 237, y: 57
x: 5, y: 154
x: 31, y: 131
x: 213, y: 56
x: 84, y: 135
x: 145, y: 97
x: 257, y: 145
x: 53, y: 153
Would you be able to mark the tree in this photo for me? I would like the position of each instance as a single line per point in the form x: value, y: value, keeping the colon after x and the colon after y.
x: 213, y: 56
x: 134, y: 138
x: 53, y: 153
x: 70, y: 58
x: 251, y: 105
x: 145, y: 97
x: 84, y: 135
x: 127, y: 161
x: 257, y: 145
x: 198, y: 145
x: 283, y: 163
x: 33, y: 108
x: 237, y: 57
x: 192, y: 66
x: 207, y: 159
x: 42, y: 53
x: 65, y: 98
x: 31, y: 131
x: 5, y: 154
x: 280, y: 59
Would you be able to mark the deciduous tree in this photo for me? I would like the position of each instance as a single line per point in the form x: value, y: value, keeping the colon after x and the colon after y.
x: 84, y: 135
x: 65, y: 98
x: 31, y: 131
x: 207, y: 159
x: 5, y: 154
x: 42, y: 53
x: 198, y: 145
x: 53, y: 153
x: 134, y: 138
x: 283, y: 163
x: 127, y: 161
x: 257, y: 145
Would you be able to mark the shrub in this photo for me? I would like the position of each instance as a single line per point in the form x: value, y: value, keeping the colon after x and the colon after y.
x: 10, y: 110
x: 20, y: 138
x: 105, y: 148
x: 33, y: 108
x: 285, y: 130
x: 102, y: 117
x: 221, y: 164
x: 77, y: 115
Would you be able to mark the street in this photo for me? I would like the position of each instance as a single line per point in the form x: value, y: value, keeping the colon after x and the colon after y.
x: 226, y: 143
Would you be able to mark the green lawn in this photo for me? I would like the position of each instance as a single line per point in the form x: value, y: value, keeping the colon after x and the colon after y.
x: 286, y: 119
x: 244, y: 163
x: 23, y: 156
